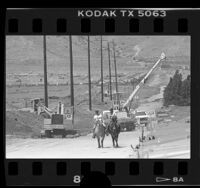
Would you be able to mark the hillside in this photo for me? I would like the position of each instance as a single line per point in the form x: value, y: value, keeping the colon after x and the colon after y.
x: 25, y: 53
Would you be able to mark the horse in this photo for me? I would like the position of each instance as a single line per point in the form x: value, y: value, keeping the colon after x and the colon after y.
x: 99, y: 132
x: 114, y: 130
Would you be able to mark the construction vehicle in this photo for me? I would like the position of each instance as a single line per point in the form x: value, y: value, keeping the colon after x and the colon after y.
x: 44, y: 111
x: 54, y: 121
x: 36, y: 106
x: 53, y: 126
x: 142, y: 82
x: 123, y: 111
x: 126, y: 121
x: 141, y: 117
x: 40, y: 109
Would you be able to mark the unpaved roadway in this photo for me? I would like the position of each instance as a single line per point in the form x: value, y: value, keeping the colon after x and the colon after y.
x: 80, y: 147
x: 174, y: 149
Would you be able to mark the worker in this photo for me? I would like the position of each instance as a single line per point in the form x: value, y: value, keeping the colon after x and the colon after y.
x: 97, y: 117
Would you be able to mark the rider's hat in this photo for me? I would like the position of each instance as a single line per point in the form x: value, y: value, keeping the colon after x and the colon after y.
x: 96, y: 111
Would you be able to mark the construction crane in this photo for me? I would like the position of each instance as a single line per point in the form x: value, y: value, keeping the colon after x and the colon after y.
x: 143, y: 81
x: 125, y: 118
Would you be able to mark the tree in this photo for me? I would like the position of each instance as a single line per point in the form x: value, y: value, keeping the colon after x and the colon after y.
x: 185, y: 91
x: 168, y: 93
x: 177, y: 92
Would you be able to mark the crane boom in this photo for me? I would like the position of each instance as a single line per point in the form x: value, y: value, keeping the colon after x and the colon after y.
x: 142, y: 82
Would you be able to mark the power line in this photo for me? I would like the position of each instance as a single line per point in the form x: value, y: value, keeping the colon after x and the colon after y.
x: 71, y: 70
x: 102, y: 99
x: 110, y: 82
x: 71, y: 77
x: 116, y: 83
x: 89, y: 76
x: 45, y: 72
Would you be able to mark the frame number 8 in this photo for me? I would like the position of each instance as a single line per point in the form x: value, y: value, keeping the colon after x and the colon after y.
x: 77, y: 179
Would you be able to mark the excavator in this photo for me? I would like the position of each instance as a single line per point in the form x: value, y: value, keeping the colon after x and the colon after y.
x: 123, y: 111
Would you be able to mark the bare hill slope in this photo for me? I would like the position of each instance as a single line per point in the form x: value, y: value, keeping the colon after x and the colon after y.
x: 25, y: 53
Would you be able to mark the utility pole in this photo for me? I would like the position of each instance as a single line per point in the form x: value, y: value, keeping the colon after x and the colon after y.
x: 101, y: 71
x: 110, y: 82
x: 89, y: 76
x: 116, y: 84
x: 71, y: 77
x: 45, y: 72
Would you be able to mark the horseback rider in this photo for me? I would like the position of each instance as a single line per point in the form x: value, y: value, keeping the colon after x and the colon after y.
x: 97, y: 117
x: 113, y: 117
x: 114, y: 128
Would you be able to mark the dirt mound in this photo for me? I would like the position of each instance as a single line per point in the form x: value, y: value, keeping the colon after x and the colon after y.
x: 23, y: 123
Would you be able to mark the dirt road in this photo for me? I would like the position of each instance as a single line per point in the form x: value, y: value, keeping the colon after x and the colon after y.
x: 80, y: 147
x: 175, y: 149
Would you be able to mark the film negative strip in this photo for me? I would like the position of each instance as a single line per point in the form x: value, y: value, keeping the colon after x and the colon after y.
x: 108, y: 96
